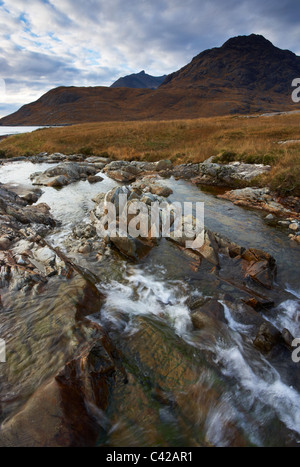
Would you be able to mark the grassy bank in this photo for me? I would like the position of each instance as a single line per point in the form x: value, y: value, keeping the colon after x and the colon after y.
x: 254, y: 140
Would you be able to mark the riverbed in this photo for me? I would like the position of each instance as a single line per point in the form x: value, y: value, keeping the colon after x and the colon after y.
x: 217, y: 389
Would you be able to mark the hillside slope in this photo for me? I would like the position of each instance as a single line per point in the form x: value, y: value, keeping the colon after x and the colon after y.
x: 246, y: 75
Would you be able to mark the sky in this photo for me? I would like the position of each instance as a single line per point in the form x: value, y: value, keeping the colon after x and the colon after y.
x: 50, y: 43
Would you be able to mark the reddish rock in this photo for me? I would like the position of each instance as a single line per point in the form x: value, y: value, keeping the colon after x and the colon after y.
x: 95, y: 179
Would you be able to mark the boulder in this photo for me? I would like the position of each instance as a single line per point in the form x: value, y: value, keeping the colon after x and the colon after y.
x: 58, y: 182
x: 267, y: 337
x: 163, y: 165
x: 207, y: 314
x: 95, y: 179
x: 209, y: 249
x: 294, y: 227
x: 211, y: 173
x: 152, y: 184
x: 63, y: 174
x: 161, y: 191
x: 259, y: 198
x: 131, y: 247
x: 121, y: 176
x: 4, y: 243
x: 260, y: 267
x: 186, y: 171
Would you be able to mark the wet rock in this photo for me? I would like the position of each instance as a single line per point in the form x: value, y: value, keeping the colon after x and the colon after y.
x: 4, y: 243
x: 288, y: 338
x: 98, y: 160
x: 57, y: 157
x: 89, y: 376
x: 14, y: 212
x: 186, y: 171
x: 209, y: 249
x: 234, y: 265
x: 131, y: 247
x: 32, y: 197
x: 260, y: 267
x: 64, y: 174
x: 152, y: 185
x: 64, y: 410
x: 100, y: 166
x: 207, y: 314
x: 98, y: 198
x: 121, y: 176
x: 259, y: 303
x: 29, y: 196
x: 58, y: 182
x: 201, y: 320
x: 196, y: 302
x: 267, y: 337
x: 84, y: 231
x: 116, y: 165
x: 294, y: 227
x: 261, y: 273
x: 84, y: 249
x: 183, y: 378
x: 122, y: 171
x: 211, y: 173
x: 259, y: 198
x: 161, y: 191
x: 95, y: 179
x: 244, y: 314
x: 125, y: 172
x: 297, y: 239
x: 45, y: 255
x: 163, y: 165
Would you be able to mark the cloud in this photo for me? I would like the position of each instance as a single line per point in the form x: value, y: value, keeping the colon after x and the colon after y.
x: 48, y: 43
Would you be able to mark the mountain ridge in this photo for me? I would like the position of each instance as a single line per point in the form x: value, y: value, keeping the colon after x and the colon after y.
x: 139, y: 80
x: 247, y: 74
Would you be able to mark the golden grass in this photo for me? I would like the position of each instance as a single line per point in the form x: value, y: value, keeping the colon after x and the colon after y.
x: 252, y: 139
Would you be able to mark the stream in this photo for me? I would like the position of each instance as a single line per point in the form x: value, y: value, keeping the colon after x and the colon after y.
x: 227, y: 392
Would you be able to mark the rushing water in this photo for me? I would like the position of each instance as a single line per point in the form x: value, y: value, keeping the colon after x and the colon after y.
x: 257, y: 395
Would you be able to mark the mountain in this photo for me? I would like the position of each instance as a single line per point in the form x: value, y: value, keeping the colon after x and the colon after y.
x: 245, y: 62
x: 247, y: 74
x: 139, y: 81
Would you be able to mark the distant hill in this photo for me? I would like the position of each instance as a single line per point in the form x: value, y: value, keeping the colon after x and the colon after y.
x: 247, y: 74
x: 139, y: 81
